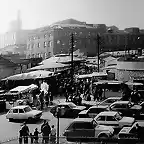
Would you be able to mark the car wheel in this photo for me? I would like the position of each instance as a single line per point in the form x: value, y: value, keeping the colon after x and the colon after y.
x: 10, y: 119
x: 103, y: 137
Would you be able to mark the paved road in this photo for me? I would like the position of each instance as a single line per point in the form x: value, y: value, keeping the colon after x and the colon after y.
x: 10, y: 130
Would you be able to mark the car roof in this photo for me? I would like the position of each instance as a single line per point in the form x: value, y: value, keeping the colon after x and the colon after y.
x: 83, y: 120
x: 20, y: 107
x: 107, y: 113
x: 99, y: 106
x: 65, y: 103
x: 121, y: 102
x: 114, y: 98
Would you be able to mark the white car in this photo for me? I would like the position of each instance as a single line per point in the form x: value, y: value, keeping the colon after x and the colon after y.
x: 23, y: 112
x: 114, y: 119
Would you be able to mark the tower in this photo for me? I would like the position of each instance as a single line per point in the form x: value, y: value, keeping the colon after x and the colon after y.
x: 19, y: 21
x: 16, y: 25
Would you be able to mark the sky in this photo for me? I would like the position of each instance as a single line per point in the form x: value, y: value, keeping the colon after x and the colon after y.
x: 38, y: 13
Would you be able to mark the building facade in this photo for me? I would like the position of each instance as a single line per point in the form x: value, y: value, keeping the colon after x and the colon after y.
x: 55, y: 39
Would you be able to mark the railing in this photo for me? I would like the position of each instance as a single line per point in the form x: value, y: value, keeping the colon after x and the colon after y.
x: 78, y: 140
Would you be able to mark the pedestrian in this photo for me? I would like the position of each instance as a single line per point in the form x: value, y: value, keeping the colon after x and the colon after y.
x: 41, y: 98
x: 36, y: 135
x: 53, y: 135
x: 46, y: 132
x: 44, y: 123
x: 31, y: 137
x: 25, y: 131
x: 20, y: 136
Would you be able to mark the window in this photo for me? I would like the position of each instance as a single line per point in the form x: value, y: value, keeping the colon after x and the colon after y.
x: 38, y: 45
x: 50, y: 43
x: 96, y: 110
x: 45, y: 35
x: 82, y: 125
x: 110, y: 118
x: 45, y: 44
x: 101, y: 118
x: 118, y: 117
x: 21, y: 111
x: 27, y: 109
x: 15, y: 110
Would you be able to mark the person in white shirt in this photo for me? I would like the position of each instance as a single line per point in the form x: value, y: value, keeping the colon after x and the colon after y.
x: 53, y: 135
x: 44, y: 87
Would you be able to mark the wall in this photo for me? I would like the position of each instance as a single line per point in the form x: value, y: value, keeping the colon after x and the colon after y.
x: 6, y: 71
x: 125, y: 65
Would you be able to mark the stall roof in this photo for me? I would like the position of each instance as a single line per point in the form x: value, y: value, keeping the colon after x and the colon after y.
x: 20, y: 89
x: 98, y: 74
x: 134, y: 83
x: 108, y: 82
x: 84, y: 76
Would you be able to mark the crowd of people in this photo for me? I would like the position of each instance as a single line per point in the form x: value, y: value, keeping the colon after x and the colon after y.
x: 48, y: 134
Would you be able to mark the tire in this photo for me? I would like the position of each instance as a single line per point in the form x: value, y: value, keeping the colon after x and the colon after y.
x: 103, y: 136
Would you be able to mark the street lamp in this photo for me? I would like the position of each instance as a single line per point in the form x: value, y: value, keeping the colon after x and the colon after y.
x: 98, y: 50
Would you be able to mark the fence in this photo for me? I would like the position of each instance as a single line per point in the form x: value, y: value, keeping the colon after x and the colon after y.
x: 82, y: 140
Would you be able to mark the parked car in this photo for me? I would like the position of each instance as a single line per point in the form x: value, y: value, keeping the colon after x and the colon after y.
x: 23, y: 112
x: 109, y: 101
x: 126, y: 108
x: 84, y: 129
x: 130, y: 132
x: 112, y: 118
x: 68, y: 109
x: 92, y: 111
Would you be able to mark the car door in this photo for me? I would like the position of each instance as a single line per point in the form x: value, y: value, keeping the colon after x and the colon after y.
x: 15, y: 114
x: 82, y: 129
x: 22, y: 114
x: 101, y: 120
x: 111, y: 121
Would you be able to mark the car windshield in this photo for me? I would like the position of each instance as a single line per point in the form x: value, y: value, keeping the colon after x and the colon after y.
x: 27, y: 109
x: 118, y: 116
x: 72, y: 105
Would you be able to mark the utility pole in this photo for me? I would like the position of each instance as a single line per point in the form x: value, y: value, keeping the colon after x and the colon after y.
x: 58, y: 124
x: 72, y: 66
x: 98, y: 50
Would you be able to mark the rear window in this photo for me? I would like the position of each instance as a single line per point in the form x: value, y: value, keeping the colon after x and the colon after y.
x: 27, y: 109
x: 96, y: 110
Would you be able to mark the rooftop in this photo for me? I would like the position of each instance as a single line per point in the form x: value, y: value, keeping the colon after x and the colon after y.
x: 107, y: 113
x: 83, y: 120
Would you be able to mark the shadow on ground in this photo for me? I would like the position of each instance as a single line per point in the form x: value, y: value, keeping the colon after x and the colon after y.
x: 40, y: 121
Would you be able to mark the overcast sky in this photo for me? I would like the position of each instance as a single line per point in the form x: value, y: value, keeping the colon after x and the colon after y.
x: 37, y: 13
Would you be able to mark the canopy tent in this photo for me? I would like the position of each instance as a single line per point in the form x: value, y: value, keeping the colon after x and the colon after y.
x: 21, y: 89
x: 49, y: 66
x: 31, y: 75
x: 134, y: 84
x: 99, y: 74
x: 49, y: 60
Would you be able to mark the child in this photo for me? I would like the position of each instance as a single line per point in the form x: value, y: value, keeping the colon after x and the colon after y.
x: 20, y: 136
x: 53, y: 135
x: 36, y: 137
x: 31, y: 137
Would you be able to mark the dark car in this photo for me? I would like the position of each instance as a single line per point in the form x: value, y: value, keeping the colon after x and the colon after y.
x: 85, y: 129
x: 109, y: 101
x: 126, y: 108
x: 130, y: 132
x: 92, y: 111
x: 67, y: 109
